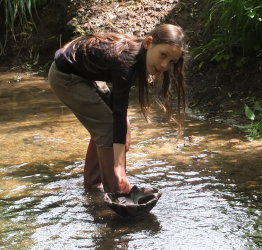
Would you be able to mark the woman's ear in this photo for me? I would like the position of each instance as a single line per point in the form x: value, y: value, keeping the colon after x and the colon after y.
x: 147, y: 42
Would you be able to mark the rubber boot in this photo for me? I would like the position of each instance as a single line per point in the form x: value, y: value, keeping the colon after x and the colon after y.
x: 92, y: 176
x: 106, y: 163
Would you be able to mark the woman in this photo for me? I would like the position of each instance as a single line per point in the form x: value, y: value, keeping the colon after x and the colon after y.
x: 123, y: 60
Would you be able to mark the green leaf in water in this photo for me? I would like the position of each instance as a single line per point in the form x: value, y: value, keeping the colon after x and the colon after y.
x: 224, y: 211
x: 250, y: 138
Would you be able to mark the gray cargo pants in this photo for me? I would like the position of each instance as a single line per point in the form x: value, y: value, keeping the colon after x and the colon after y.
x: 88, y: 101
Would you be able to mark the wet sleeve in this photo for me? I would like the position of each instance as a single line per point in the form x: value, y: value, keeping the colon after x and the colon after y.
x: 120, y: 94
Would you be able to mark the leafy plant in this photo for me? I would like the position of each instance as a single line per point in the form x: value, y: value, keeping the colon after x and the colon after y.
x: 18, y: 14
x: 254, y: 130
x: 234, y: 28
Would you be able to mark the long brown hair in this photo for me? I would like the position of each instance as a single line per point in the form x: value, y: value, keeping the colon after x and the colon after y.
x: 172, y: 82
x: 114, y: 50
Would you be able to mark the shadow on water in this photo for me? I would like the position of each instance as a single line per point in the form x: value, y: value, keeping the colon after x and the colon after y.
x: 118, y: 232
x: 211, y: 182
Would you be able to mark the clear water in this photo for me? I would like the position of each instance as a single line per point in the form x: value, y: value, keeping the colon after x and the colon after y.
x: 211, y: 189
x: 42, y: 208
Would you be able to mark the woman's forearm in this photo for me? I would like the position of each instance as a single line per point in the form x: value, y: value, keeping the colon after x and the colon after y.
x: 119, y: 155
x: 120, y: 167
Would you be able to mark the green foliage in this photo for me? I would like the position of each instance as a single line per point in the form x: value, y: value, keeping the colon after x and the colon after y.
x: 254, y: 130
x: 234, y: 27
x: 238, y: 22
x: 19, y: 13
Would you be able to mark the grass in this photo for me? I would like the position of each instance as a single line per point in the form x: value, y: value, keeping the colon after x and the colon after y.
x: 234, y: 30
x: 19, y: 13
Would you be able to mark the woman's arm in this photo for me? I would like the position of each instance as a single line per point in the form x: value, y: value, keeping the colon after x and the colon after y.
x: 120, y: 167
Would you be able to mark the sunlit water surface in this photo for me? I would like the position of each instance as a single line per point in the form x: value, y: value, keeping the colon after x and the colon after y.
x: 210, y: 198
x: 42, y: 208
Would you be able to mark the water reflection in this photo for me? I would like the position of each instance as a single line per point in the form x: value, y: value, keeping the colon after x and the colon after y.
x: 211, y: 184
x: 47, y: 207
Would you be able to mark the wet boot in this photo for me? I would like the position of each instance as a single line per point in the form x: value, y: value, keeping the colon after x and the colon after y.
x: 106, y: 162
x: 92, y: 177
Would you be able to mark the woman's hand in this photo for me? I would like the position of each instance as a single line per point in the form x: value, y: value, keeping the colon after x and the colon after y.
x: 128, y: 135
x: 123, y: 183
x: 120, y: 167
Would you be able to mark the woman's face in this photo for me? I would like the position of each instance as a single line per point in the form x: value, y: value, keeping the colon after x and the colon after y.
x: 160, y: 57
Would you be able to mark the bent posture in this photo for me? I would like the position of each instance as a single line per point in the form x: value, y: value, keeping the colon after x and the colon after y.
x: 78, y: 75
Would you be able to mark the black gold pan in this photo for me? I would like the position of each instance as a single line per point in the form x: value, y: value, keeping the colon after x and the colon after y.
x: 137, y: 203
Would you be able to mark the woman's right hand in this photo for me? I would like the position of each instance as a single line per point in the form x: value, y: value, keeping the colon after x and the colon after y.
x: 120, y: 167
x: 123, y: 183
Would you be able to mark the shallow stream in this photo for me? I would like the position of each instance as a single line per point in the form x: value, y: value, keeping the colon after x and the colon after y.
x: 210, y: 180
